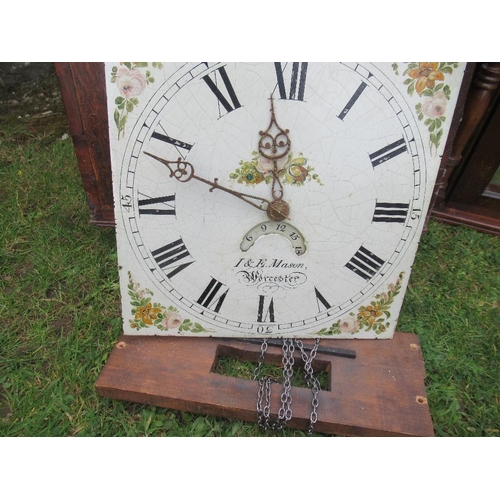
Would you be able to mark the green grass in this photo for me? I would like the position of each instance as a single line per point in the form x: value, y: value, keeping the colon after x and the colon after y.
x: 60, y: 310
x: 453, y: 304
x: 496, y: 177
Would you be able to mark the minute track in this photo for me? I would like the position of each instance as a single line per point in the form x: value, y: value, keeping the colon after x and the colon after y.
x: 354, y: 194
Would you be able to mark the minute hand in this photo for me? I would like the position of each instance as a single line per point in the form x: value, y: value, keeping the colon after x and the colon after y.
x: 183, y: 171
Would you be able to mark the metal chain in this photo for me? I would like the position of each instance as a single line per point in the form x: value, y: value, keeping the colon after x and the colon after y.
x: 256, y: 376
x: 285, y: 411
x: 263, y: 349
x: 311, y: 381
x: 264, y: 391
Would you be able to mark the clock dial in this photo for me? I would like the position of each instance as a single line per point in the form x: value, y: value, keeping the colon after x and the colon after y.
x: 198, y: 253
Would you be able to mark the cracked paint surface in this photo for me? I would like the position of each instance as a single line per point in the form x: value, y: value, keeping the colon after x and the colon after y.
x: 360, y: 217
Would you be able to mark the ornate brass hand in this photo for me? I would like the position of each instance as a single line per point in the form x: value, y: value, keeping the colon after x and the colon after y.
x: 274, y: 144
x: 183, y: 171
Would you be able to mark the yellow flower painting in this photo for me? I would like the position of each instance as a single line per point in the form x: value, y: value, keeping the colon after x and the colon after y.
x: 372, y: 317
x: 292, y: 169
x: 147, y: 314
x: 428, y: 81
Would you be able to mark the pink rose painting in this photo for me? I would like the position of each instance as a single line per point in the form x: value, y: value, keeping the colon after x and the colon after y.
x: 349, y: 324
x: 292, y: 169
x: 172, y: 320
x: 435, y: 105
x: 131, y: 80
x: 266, y: 166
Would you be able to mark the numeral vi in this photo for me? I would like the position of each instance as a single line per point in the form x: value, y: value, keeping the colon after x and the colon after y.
x: 265, y: 312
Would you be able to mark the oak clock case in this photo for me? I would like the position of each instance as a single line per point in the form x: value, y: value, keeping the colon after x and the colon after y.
x: 202, y: 253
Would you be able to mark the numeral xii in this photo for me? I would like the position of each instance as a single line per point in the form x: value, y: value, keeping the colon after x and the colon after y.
x: 292, y: 85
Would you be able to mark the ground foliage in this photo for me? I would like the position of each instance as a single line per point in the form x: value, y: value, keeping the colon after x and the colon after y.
x: 60, y: 310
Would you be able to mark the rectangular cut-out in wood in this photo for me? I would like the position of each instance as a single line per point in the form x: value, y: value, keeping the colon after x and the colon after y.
x: 379, y: 393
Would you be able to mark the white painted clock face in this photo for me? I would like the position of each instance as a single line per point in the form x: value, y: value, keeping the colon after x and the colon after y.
x: 196, y: 261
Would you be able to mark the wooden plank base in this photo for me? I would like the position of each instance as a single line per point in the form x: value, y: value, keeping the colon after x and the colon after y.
x: 379, y: 393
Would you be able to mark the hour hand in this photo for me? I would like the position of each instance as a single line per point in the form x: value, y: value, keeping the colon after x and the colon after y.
x: 183, y: 171
x: 274, y: 144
